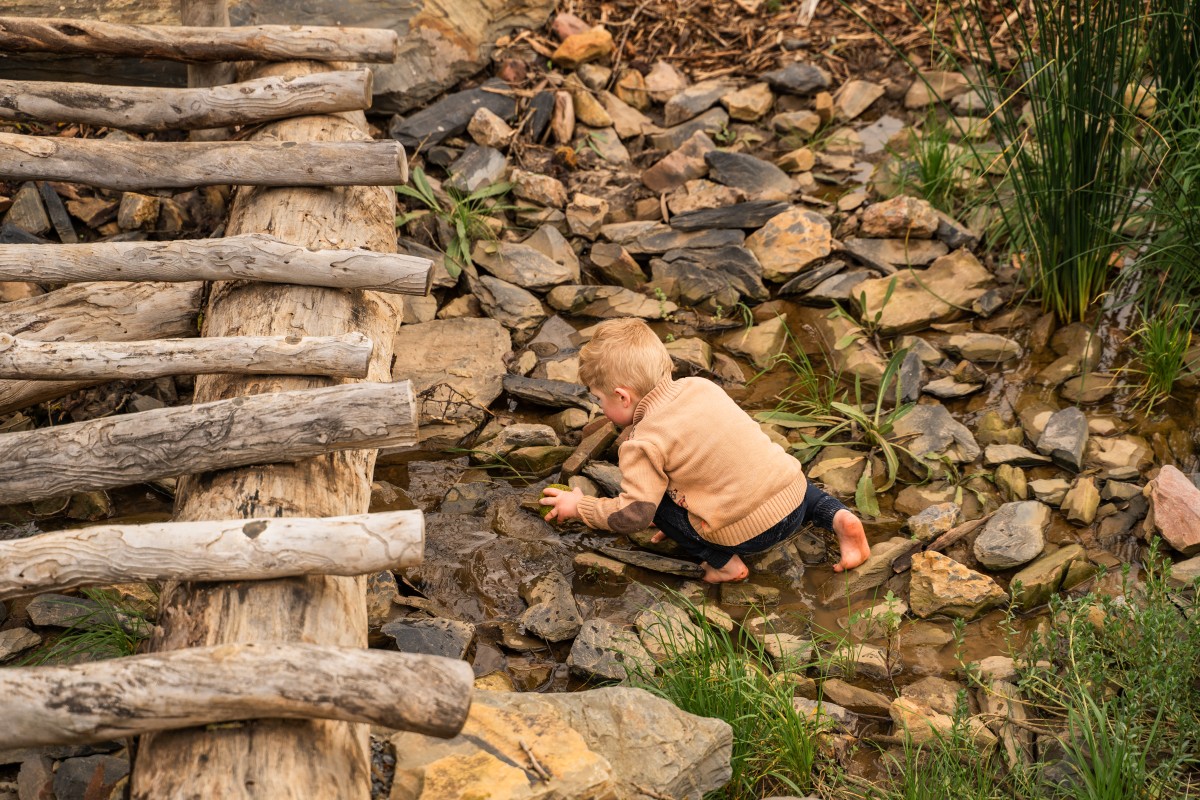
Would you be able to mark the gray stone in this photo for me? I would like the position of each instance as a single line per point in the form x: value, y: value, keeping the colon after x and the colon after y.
x: 798, y: 78
x: 934, y: 521
x: 607, y: 302
x: 1120, y: 491
x: 874, y: 572
x: 1065, y: 437
x: 948, y: 389
x: 73, y: 776
x: 62, y: 611
x: 737, y: 264
x: 1186, y: 572
x: 856, y: 96
x: 1014, y: 536
x: 1091, y: 387
x: 654, y: 562
x: 552, y: 613
x: 27, y: 212
x: 468, y: 498
x: 523, y: 265
x: 476, y: 168
x: 864, y: 660
x: 666, y: 630
x: 807, y: 281
x: 692, y: 101
x: 751, y: 214
x: 995, y: 454
x: 644, y: 237
x: 681, y: 165
x: 954, y: 233
x: 694, y: 286
x: 553, y: 394
x: 876, y: 136
x: 758, y: 178
x: 616, y: 265
x: 885, y: 254
x: 759, y: 343
x: 437, y: 637
x: 1037, y: 582
x: 825, y: 713
x: 988, y: 347
x: 939, y: 694
x: 710, y: 122
x: 522, y: 434
x: 901, y: 217
x: 450, y: 115
x: 510, y: 305
x: 607, y: 476
x: 35, y: 780
x: 608, y: 651
x: 455, y: 365
x: 17, y: 640
x: 929, y: 430
x: 837, y: 289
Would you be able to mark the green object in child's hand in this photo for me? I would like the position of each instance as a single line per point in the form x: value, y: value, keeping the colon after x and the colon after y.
x: 545, y: 511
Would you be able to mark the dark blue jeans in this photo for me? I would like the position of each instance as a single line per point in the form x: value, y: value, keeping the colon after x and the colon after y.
x: 672, y: 519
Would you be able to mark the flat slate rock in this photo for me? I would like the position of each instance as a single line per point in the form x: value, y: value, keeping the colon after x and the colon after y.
x: 753, y: 214
x: 798, y: 78
x: 555, y: 394
x: 448, y: 638
x: 807, y: 281
x: 542, y: 108
x: 655, y: 563
x: 11, y: 234
x: 450, y: 115
x: 738, y: 264
x: 746, y: 172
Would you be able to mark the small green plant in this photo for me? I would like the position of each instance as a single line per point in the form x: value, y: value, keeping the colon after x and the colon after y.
x: 1161, y: 345
x: 112, y: 627
x: 463, y: 214
x: 725, y: 136
x: 950, y: 766
x: 774, y: 748
x: 935, y: 167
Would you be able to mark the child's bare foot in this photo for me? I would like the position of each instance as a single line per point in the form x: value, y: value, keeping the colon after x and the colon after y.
x: 734, y: 570
x: 852, y: 540
x: 658, y: 537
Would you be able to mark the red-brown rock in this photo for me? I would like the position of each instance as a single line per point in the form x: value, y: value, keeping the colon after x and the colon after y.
x: 1175, y: 510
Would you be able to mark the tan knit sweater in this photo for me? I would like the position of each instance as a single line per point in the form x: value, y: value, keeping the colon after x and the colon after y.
x: 689, y: 438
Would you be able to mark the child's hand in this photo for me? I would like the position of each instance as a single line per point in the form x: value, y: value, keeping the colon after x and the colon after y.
x: 565, y: 505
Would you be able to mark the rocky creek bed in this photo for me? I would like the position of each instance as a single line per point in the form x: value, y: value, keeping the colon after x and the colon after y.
x: 746, y: 217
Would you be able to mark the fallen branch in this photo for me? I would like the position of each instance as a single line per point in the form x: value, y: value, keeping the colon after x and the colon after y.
x: 249, y: 257
x: 138, y: 166
x: 345, y: 356
x: 195, y: 43
x: 260, y: 429
x: 145, y: 108
x: 198, y: 686
x: 225, y: 550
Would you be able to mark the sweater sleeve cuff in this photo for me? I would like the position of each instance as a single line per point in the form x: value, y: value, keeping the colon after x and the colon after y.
x: 589, y: 512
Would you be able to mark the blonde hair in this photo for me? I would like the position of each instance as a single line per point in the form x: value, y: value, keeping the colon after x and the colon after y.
x: 624, y: 352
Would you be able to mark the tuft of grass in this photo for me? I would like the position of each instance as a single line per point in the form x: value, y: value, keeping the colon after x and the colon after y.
x: 936, y: 168
x: 774, y: 747
x: 1161, y: 344
x: 949, y: 767
x: 462, y: 214
x: 113, y: 629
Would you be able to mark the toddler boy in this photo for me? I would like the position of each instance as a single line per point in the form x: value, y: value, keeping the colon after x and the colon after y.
x: 695, y: 464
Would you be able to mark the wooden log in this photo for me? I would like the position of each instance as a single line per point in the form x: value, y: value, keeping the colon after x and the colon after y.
x: 263, y: 429
x: 227, y: 550
x: 251, y: 257
x: 140, y: 166
x: 90, y: 311
x: 345, y: 356
x: 197, y: 43
x: 283, y: 760
x: 129, y: 696
x: 139, y: 108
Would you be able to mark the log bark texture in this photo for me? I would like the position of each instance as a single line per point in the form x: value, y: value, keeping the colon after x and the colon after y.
x: 345, y: 356
x: 91, y: 311
x: 251, y: 257
x: 183, y: 43
x: 209, y: 14
x: 263, y: 429
x: 227, y: 550
x: 138, y: 108
x: 111, y: 699
x: 141, y: 166
x: 282, y: 760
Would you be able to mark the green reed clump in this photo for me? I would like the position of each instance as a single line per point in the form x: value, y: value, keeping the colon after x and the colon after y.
x: 715, y: 675
x: 936, y: 167
x: 1073, y: 165
x: 949, y: 767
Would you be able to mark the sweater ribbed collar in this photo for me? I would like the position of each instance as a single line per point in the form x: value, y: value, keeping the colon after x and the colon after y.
x: 664, y: 392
